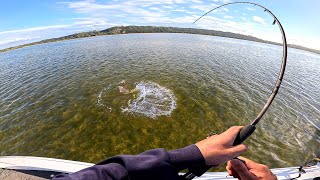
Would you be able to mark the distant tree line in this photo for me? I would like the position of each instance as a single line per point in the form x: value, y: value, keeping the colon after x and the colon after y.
x: 156, y: 29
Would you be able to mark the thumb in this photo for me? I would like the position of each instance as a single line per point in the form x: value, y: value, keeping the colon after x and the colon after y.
x: 242, y: 170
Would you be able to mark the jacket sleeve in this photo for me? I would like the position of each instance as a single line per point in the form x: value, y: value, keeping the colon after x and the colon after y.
x: 152, y: 164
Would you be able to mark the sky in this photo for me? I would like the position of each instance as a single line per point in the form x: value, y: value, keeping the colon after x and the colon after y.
x: 33, y: 20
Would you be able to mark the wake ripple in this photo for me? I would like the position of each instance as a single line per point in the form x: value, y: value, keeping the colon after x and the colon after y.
x: 152, y: 100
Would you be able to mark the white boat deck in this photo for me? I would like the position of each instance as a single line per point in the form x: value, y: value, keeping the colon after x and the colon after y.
x: 7, y: 174
x: 36, y: 168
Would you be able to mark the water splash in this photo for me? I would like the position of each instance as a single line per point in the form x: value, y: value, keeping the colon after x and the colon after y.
x: 146, y: 98
x: 152, y: 100
x: 100, y: 98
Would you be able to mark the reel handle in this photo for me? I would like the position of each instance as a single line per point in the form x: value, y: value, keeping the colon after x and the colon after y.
x: 243, y: 134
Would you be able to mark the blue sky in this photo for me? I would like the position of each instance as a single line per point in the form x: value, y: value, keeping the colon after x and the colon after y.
x: 33, y: 20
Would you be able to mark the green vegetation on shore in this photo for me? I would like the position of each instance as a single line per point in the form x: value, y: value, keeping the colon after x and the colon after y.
x: 155, y: 29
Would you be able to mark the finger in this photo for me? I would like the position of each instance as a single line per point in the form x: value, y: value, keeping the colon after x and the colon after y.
x: 249, y: 163
x: 235, y: 151
x: 241, y: 169
x: 229, y: 168
x: 231, y: 171
x: 232, y: 133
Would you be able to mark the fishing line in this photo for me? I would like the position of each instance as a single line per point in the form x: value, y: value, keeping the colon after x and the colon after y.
x: 246, y: 131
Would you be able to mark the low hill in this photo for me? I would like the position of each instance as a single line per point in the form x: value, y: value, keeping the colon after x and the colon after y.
x: 156, y: 29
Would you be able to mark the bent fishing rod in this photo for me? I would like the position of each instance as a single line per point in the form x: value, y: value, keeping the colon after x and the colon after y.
x: 246, y: 131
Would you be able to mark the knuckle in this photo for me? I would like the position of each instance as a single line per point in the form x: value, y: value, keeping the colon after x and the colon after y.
x: 234, y: 128
x: 244, y: 147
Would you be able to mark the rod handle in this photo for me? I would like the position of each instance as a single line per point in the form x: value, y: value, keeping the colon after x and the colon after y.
x: 244, y: 133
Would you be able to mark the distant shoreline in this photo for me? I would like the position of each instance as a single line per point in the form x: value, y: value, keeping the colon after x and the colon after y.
x: 155, y: 29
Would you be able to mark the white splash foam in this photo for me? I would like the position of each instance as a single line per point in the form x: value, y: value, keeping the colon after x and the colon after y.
x: 99, y: 98
x: 153, y: 100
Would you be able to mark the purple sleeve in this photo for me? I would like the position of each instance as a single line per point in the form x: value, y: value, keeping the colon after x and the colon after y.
x: 152, y: 164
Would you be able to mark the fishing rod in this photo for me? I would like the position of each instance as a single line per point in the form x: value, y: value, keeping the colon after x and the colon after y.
x: 246, y: 131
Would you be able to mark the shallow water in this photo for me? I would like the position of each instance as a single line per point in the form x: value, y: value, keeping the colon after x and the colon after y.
x: 65, y: 99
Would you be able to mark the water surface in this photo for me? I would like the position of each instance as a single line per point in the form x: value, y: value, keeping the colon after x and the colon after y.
x: 63, y: 99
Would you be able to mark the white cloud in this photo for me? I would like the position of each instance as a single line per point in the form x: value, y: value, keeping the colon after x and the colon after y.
x: 168, y: 7
x: 35, y: 29
x: 228, y: 17
x: 223, y: 1
x: 251, y: 9
x: 133, y: 7
x: 22, y: 36
x: 247, y: 27
x: 210, y: 22
x: 155, y: 9
x: 259, y: 19
x: 225, y: 9
x: 182, y: 11
x: 17, y: 39
x: 179, y: 1
x: 307, y: 42
x: 243, y: 18
x: 196, y: 1
x: 204, y: 8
